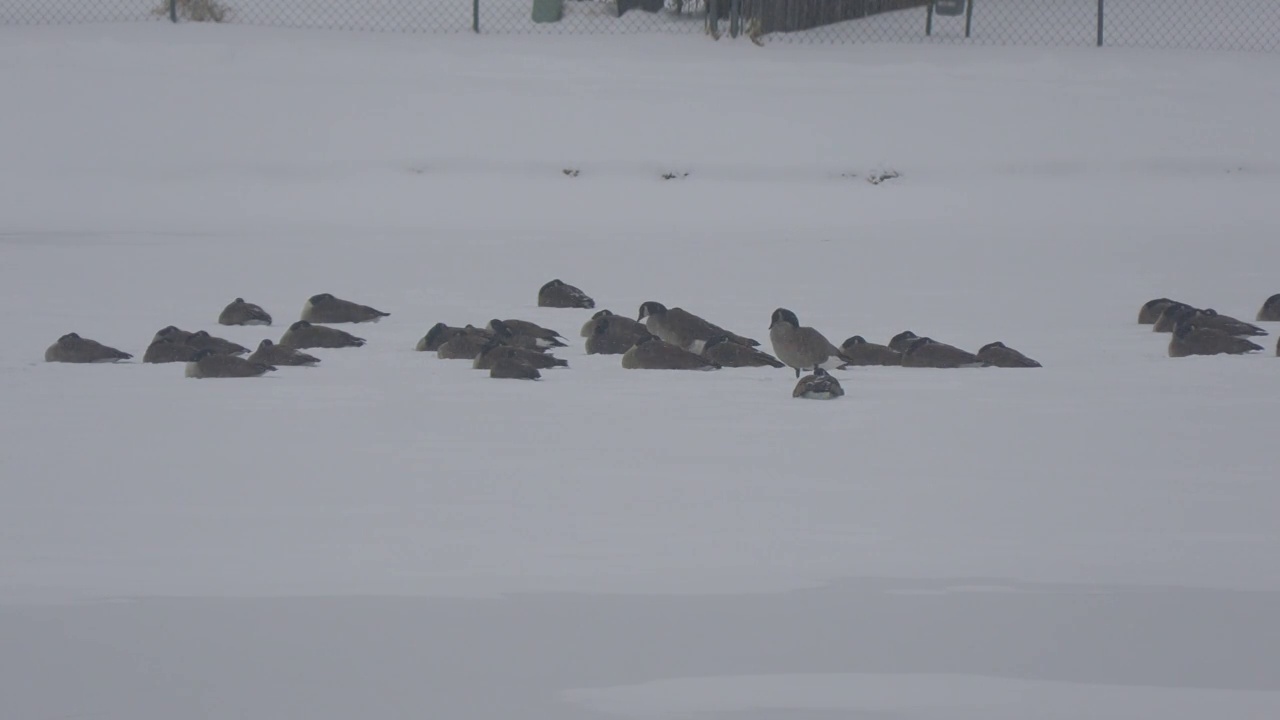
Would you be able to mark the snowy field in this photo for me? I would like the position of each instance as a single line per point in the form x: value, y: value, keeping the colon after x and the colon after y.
x: 391, y: 535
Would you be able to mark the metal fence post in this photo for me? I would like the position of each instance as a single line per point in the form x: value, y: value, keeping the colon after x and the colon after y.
x: 475, y: 16
x: 928, y: 19
x: 173, y: 11
x: 1100, y: 15
x: 735, y: 18
x: 968, y: 17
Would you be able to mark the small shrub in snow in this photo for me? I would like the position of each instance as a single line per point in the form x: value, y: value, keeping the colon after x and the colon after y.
x: 197, y: 10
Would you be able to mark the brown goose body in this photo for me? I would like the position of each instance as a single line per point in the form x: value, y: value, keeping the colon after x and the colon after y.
x: 727, y: 353
x: 997, y: 354
x: 614, y: 335
x: 1270, y: 310
x: 926, y: 352
x: 71, y: 348
x: 240, y: 312
x: 165, y: 350
x: 559, y: 294
x: 653, y: 353
x: 1176, y: 315
x: 1150, y: 310
x: 303, y: 335
x: 682, y: 328
x: 858, y: 352
x: 207, y: 364
x: 268, y: 353
x: 1189, y: 339
x: 510, y: 369
x: 525, y: 334
x: 325, y: 308
x: 494, y: 352
x: 799, y: 346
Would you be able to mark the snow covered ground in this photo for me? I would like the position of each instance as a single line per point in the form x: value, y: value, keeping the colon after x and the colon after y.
x: 392, y: 535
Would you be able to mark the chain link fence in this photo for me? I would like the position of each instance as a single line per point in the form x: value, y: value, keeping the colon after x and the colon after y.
x: 1191, y: 24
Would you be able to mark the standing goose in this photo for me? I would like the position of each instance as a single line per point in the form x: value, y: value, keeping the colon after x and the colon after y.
x: 240, y: 312
x: 614, y: 335
x: 684, y: 329
x: 997, y: 354
x: 929, y: 353
x: 802, y: 348
x: 164, y: 350
x: 902, y: 341
x: 727, y: 353
x: 1150, y: 311
x: 325, y: 308
x: 652, y: 353
x: 494, y: 352
x: 302, y: 335
x: 818, y: 386
x: 207, y: 364
x: 857, y: 351
x: 559, y: 294
x: 513, y: 370
x: 510, y: 331
x: 1270, y: 311
x: 71, y: 348
x: 1189, y: 339
x: 268, y: 353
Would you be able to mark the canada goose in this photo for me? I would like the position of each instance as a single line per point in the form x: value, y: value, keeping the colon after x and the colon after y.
x: 997, y: 354
x: 71, y: 348
x: 325, y: 308
x: 684, y: 329
x: 857, y: 351
x: 653, y: 353
x: 1170, y: 315
x: 302, y: 335
x: 818, y: 386
x: 440, y: 333
x: 1150, y: 311
x: 618, y: 324
x: 614, y: 335
x: 494, y: 352
x: 802, y: 348
x: 727, y: 353
x: 929, y: 353
x: 463, y: 346
x: 559, y: 294
x: 1207, y: 318
x: 173, y: 334
x: 511, y: 332
x: 165, y: 350
x: 514, y: 370
x: 1190, y: 339
x: 902, y: 341
x: 202, y: 340
x: 207, y: 364
x: 268, y: 353
x: 1270, y: 311
x: 240, y: 312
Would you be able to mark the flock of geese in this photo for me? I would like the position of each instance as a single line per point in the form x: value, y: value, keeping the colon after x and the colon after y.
x: 1204, y: 331
x: 660, y: 338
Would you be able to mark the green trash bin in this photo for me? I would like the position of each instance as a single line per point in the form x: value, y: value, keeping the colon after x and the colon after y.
x: 548, y: 11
